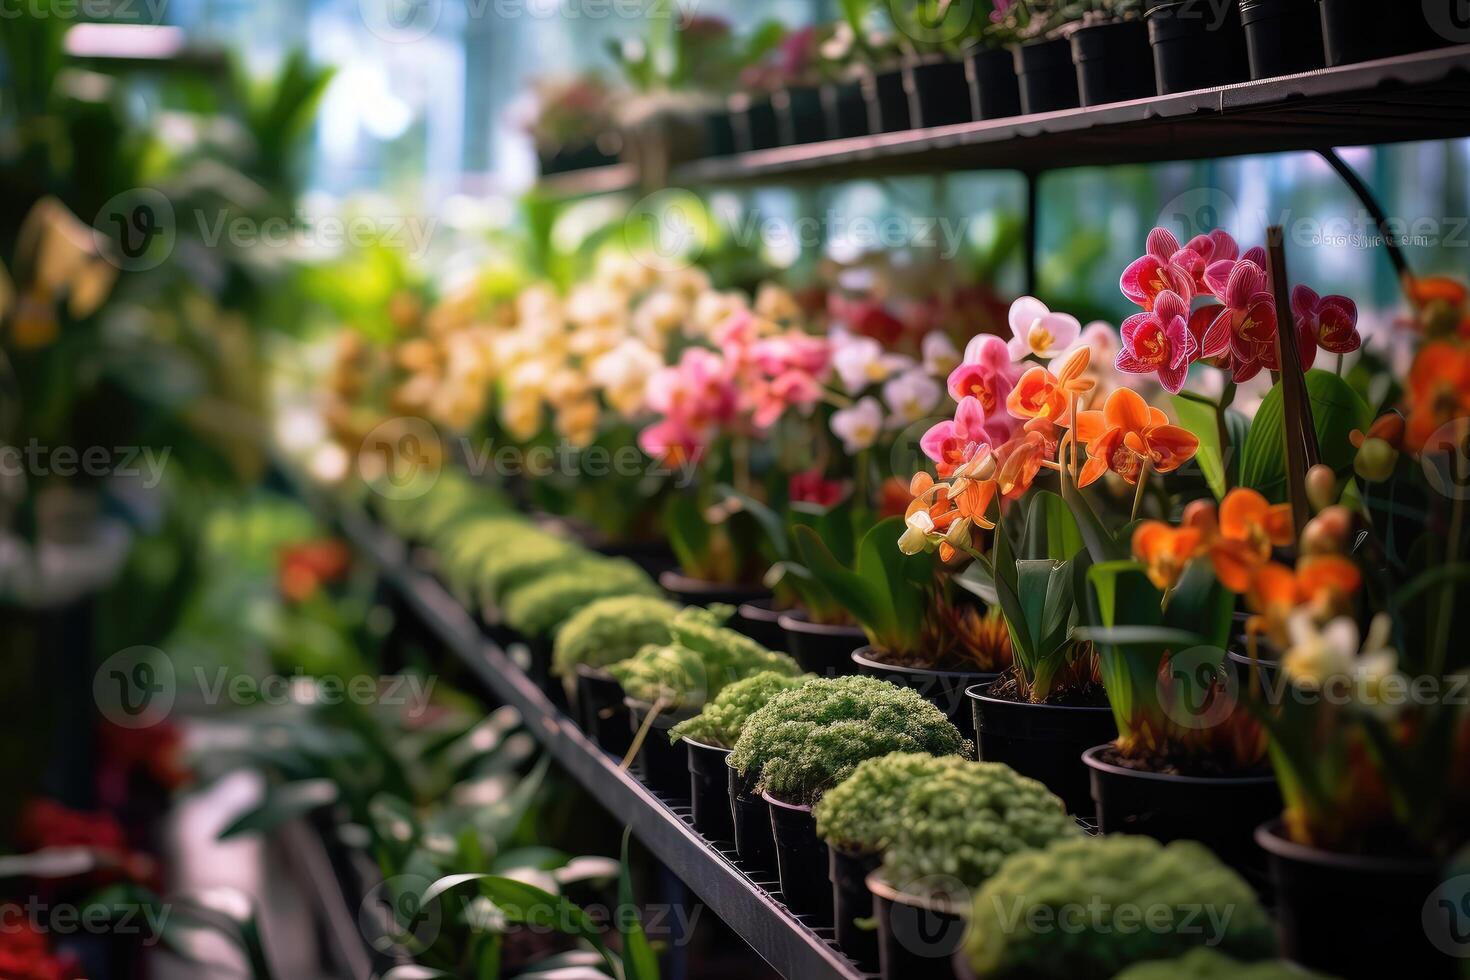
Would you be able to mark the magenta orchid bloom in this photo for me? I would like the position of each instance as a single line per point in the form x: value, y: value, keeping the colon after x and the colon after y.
x: 1330, y: 322
x: 1157, y: 272
x: 1159, y: 342
x: 1202, y: 252
x: 952, y: 444
x: 1245, y: 327
x: 988, y: 375
x: 1038, y: 332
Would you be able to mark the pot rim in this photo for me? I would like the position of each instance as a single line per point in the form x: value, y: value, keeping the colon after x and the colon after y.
x: 675, y: 715
x: 593, y: 673
x: 761, y: 607
x: 861, y: 660
x: 976, y: 692
x: 794, y: 621
x: 882, y: 888
x: 774, y: 801
x: 695, y: 743
x: 1273, y: 841
x: 677, y: 581
x: 1092, y: 759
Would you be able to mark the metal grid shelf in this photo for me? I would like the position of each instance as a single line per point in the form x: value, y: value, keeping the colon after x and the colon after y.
x: 747, y: 903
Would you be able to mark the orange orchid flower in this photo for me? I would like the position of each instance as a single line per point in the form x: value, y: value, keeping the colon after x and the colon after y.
x: 1324, y: 580
x: 1439, y: 391
x: 1043, y: 395
x: 1248, y: 527
x: 948, y: 507
x: 1166, y: 550
x: 1126, y: 435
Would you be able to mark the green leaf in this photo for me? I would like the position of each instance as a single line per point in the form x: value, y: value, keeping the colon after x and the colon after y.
x: 770, y: 522
x: 689, y: 533
x: 1336, y: 410
x: 870, y: 608
x: 1215, y: 461
x: 1200, y: 605
x: 283, y: 803
x: 639, y: 962
x: 901, y: 579
x: 1051, y: 528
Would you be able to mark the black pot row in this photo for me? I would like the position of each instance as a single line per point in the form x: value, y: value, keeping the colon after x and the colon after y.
x: 1179, y: 46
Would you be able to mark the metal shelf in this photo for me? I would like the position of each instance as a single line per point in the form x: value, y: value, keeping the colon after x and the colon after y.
x: 750, y: 904
x: 1422, y: 96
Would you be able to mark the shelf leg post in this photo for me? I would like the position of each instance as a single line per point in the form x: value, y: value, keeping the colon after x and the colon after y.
x: 1364, y: 193
x: 1033, y: 230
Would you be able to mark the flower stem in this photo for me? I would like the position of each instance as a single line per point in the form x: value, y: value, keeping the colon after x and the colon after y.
x: 1142, y: 485
x: 1222, y: 429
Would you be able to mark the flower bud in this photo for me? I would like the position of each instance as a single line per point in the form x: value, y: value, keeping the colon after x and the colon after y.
x: 1376, y: 460
x: 1327, y: 533
x: 1321, y: 486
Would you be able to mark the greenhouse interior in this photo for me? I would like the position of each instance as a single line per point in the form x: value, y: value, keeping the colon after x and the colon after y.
x: 488, y: 485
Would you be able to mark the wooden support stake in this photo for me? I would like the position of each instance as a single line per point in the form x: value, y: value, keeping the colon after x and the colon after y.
x: 1300, y: 432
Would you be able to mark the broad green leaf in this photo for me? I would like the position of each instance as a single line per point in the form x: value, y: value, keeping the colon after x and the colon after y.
x: 1336, y: 411
x: 639, y: 961
x: 689, y: 533
x: 869, y: 608
x: 1215, y: 461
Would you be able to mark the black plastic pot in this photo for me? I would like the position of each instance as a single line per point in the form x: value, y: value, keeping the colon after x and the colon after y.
x: 601, y: 711
x: 1282, y: 37
x: 801, y: 861
x: 665, y: 765
x: 938, y: 91
x: 709, y: 790
x: 698, y: 592
x: 1265, y: 682
x: 799, y: 115
x: 576, y: 156
x: 888, y: 103
x: 539, y: 670
x: 654, y: 557
x: 1222, y: 813
x: 1047, y: 77
x: 945, y: 689
x: 719, y: 134
x: 1113, y: 62
x: 1354, y: 31
x: 1354, y: 916
x: 994, y: 91
x: 755, y: 122
x: 846, y: 109
x: 916, y: 937
x: 760, y: 622
x: 1196, y: 44
x: 852, y: 901
x: 753, y: 840
x: 1043, y: 741
x: 821, y: 649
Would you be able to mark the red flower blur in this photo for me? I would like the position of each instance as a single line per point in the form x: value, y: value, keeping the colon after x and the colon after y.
x: 25, y: 954
x: 306, y: 567
x: 811, y: 487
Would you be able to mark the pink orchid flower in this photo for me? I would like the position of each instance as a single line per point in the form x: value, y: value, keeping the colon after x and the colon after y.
x: 1159, y: 342
x: 792, y: 351
x: 1244, y: 327
x: 769, y: 400
x: 1157, y: 271
x: 1201, y: 252
x: 670, y: 441
x: 988, y: 375
x: 1038, y: 332
x: 953, y: 443
x: 1330, y: 321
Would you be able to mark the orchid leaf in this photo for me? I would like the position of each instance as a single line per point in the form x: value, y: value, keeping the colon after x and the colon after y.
x: 639, y: 961
x: 1336, y: 411
x: 283, y: 803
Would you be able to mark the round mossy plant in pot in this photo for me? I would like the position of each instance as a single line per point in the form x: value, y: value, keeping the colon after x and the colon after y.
x: 1111, y: 885
x: 600, y: 634
x: 709, y: 737
x: 955, y: 830
x: 805, y: 741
